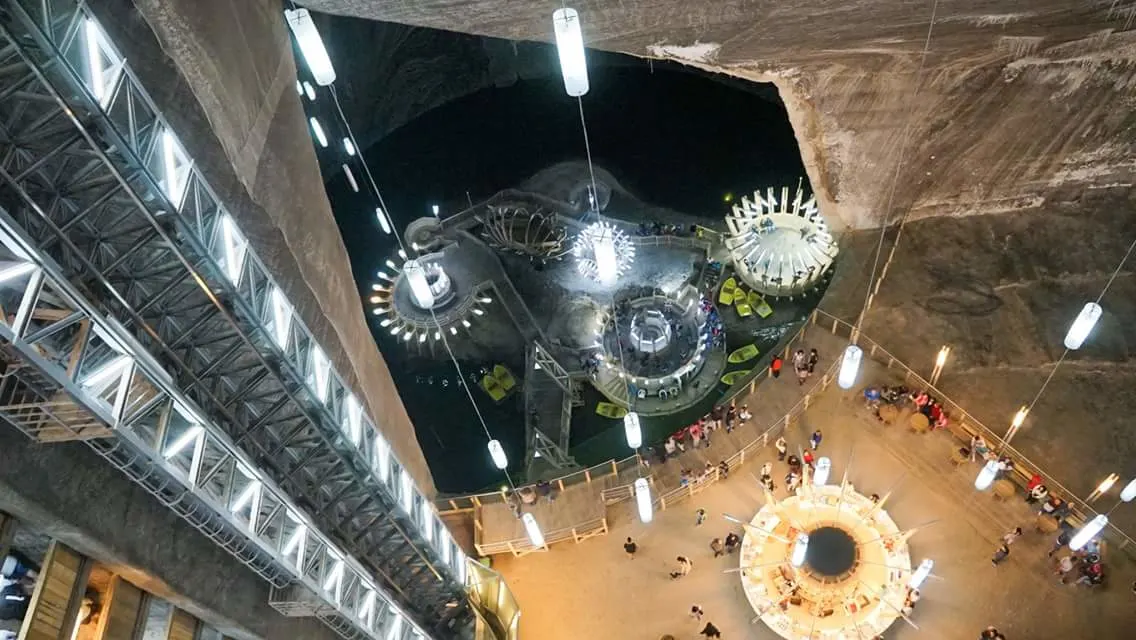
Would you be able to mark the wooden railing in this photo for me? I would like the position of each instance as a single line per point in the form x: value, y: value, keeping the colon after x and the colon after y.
x: 596, y: 473
x: 577, y: 532
x: 963, y: 426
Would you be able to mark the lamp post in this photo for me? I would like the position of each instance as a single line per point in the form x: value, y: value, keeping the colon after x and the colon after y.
x: 1015, y: 424
x: 940, y: 360
x: 1103, y: 487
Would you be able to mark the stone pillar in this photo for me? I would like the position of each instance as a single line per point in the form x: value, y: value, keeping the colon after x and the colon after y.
x: 57, y: 596
x: 121, y: 615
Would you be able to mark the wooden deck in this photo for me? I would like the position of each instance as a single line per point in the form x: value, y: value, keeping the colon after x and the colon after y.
x: 579, y: 511
x: 576, y: 514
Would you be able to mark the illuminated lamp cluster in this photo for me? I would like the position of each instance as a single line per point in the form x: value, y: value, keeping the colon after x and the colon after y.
x: 416, y: 301
x: 603, y: 252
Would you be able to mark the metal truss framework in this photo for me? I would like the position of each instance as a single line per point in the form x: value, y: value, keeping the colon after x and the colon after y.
x: 135, y: 317
x: 539, y: 445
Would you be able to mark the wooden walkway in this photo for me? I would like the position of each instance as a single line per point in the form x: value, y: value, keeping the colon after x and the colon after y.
x: 579, y: 511
x: 576, y: 514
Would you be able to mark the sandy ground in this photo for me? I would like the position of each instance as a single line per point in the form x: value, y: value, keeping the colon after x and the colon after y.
x: 592, y: 590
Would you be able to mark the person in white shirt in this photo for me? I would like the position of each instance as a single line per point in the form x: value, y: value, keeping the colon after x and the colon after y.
x: 744, y: 414
x: 1012, y: 536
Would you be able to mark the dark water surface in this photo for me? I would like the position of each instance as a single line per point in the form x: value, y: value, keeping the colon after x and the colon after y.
x: 677, y: 139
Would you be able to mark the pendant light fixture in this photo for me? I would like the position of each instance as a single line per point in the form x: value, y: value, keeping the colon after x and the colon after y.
x: 643, y: 500
x: 311, y: 45
x: 570, y: 47
x: 849, y: 366
x: 1083, y: 325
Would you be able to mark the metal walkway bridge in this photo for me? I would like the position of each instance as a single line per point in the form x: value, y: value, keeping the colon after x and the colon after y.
x: 134, y: 316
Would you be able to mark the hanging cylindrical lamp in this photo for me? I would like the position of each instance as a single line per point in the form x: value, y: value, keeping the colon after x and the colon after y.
x: 849, y: 366
x: 1083, y: 325
x: 497, y: 452
x: 603, y: 250
x: 1088, y: 532
x: 823, y: 468
x: 632, y: 430
x: 643, y: 500
x: 419, y: 285
x: 986, y: 475
x: 533, y: 530
x: 570, y: 47
x: 920, y: 573
x: 1128, y: 492
x: 311, y: 45
x: 800, y: 547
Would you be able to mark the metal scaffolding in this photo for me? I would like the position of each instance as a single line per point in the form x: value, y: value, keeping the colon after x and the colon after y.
x: 135, y: 317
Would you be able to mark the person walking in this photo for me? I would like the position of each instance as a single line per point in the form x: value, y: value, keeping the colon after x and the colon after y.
x: 1063, y: 539
x: 684, y: 567
x: 710, y: 631
x: 716, y: 547
x: 775, y: 366
x: 699, y: 517
x: 1011, y: 537
x: 792, y: 481
x: 802, y: 375
x: 696, y: 612
x: 782, y: 448
x: 1065, y: 566
x: 1000, y: 554
x: 799, y: 359
x: 732, y: 542
x: 630, y: 548
x: 814, y: 358
x: 815, y: 439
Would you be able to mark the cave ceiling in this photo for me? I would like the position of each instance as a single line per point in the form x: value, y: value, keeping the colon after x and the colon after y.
x: 1016, y: 102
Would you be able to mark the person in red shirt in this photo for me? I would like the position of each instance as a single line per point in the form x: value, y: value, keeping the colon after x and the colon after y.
x: 775, y: 367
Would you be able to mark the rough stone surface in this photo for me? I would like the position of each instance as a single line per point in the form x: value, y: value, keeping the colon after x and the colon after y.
x: 1013, y: 101
x: 69, y: 493
x: 223, y: 75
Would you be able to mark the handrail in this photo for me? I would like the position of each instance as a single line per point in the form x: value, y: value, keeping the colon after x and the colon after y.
x: 964, y: 421
x: 1024, y: 468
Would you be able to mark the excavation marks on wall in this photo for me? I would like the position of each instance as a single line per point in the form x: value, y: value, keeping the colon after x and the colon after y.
x: 959, y: 293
